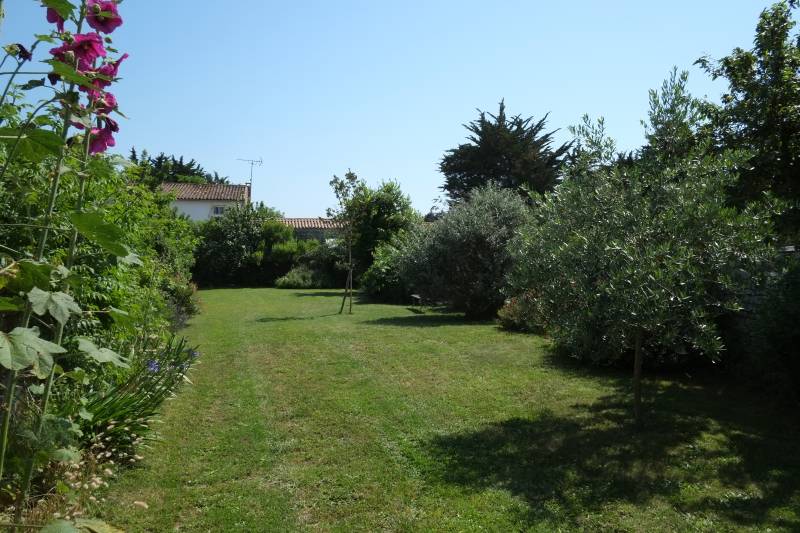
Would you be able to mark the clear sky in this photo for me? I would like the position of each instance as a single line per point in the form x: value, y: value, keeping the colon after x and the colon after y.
x: 383, y: 88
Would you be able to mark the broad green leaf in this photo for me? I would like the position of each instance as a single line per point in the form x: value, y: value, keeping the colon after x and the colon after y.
x: 77, y: 375
x: 120, y: 317
x: 101, y: 355
x: 60, y: 526
x: 83, y: 413
x: 65, y: 455
x: 32, y: 84
x: 33, y: 144
x: 44, y: 38
x: 9, y: 304
x: 22, y: 348
x: 64, y: 8
x: 131, y: 259
x: 59, y: 304
x: 92, y: 226
x: 69, y: 73
x: 30, y: 274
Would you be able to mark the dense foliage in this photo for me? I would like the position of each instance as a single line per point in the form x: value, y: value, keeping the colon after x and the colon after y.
x: 319, y: 268
x: 770, y: 336
x: 627, y: 253
x: 463, y: 258
x: 163, y: 168
x: 511, y: 152
x: 94, y: 274
x: 760, y: 111
x: 384, y: 281
x: 368, y: 217
x: 248, y: 246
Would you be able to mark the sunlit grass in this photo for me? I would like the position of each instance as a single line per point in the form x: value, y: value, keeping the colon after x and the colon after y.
x: 300, y: 418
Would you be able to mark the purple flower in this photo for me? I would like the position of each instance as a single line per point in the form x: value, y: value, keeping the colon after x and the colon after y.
x: 153, y: 366
x: 108, y: 70
x: 102, y: 15
x: 86, y: 48
x: 102, y: 139
x: 54, y: 18
x: 104, y: 103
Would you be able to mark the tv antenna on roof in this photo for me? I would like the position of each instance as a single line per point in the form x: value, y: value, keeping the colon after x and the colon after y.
x: 253, y: 162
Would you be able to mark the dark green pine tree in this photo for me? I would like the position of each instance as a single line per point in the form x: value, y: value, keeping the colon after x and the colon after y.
x: 513, y: 152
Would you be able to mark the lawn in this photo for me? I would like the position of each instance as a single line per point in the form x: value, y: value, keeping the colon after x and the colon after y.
x: 302, y: 419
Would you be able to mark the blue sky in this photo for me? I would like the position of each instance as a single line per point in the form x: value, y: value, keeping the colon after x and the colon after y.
x: 383, y: 88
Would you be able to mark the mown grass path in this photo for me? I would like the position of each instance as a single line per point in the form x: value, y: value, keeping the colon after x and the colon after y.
x: 302, y: 419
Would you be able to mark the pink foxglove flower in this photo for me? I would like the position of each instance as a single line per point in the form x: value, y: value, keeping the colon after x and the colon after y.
x: 102, y: 15
x: 54, y: 18
x: 86, y: 47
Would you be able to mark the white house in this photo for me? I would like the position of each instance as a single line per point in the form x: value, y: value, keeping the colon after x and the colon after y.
x: 202, y: 201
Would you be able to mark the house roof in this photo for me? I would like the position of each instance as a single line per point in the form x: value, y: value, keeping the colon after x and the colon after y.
x: 311, y: 223
x: 207, y: 191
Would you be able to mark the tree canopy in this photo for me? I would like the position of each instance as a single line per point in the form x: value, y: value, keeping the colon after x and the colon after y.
x: 760, y: 112
x: 511, y: 152
x: 168, y: 168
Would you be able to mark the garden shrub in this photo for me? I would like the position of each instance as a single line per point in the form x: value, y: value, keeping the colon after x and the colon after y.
x: 772, y: 355
x: 247, y: 246
x: 648, y: 253
x: 94, y: 265
x: 300, y: 277
x: 516, y: 314
x: 383, y: 281
x: 320, y: 267
x: 370, y: 216
x: 122, y: 413
x: 463, y: 258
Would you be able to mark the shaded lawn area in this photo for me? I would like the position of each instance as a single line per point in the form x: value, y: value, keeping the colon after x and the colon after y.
x: 302, y: 419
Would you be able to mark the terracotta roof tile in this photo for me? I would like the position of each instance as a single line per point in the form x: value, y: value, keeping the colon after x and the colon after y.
x: 207, y: 191
x: 311, y: 223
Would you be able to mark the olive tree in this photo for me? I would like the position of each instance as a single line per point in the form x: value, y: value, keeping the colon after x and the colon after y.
x: 641, y: 261
x: 463, y: 258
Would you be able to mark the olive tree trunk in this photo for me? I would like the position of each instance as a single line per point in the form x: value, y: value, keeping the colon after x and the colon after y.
x: 637, y: 380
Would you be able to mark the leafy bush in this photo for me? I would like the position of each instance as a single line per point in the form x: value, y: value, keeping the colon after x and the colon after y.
x: 383, y: 281
x: 641, y: 255
x: 516, y: 315
x: 320, y: 267
x: 369, y: 217
x: 94, y: 265
x: 247, y: 246
x: 300, y: 277
x: 463, y: 258
x: 120, y: 416
x: 772, y: 357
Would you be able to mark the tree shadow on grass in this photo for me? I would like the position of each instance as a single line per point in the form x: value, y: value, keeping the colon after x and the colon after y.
x: 339, y: 293
x: 734, y: 463
x: 426, y: 321
x: 291, y: 318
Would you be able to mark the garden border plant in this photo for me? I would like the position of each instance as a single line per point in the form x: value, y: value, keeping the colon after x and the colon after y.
x: 61, y: 137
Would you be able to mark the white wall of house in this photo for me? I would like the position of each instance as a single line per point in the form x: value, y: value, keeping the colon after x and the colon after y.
x: 201, y: 209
